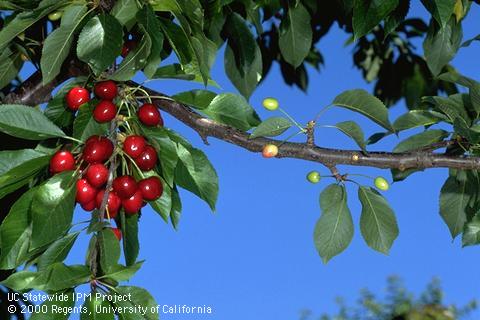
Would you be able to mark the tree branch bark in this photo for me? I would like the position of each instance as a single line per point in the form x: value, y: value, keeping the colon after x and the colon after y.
x: 328, y: 157
x: 33, y: 92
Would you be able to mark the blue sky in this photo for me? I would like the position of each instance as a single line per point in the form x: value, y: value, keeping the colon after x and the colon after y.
x: 255, y: 258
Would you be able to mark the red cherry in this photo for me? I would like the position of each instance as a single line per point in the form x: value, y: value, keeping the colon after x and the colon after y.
x: 85, y: 192
x: 106, y: 90
x: 133, y: 204
x: 62, y: 161
x: 124, y: 186
x: 147, y: 159
x: 134, y: 145
x: 97, y: 150
x: 127, y: 47
x: 151, y: 188
x: 149, y: 115
x: 88, y: 206
x: 92, y: 139
x: 113, y: 202
x: 76, y: 97
x: 118, y: 233
x: 105, y: 111
x: 97, y: 175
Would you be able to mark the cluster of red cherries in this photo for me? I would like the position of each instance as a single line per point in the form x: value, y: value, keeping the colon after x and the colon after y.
x: 97, y: 151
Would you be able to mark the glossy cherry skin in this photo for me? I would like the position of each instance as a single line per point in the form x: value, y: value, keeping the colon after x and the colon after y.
x: 149, y: 115
x: 62, y: 161
x: 90, y: 206
x: 151, y: 188
x: 97, y: 150
x: 128, y: 46
x: 106, y: 90
x: 97, y: 175
x: 134, y: 145
x: 133, y: 204
x: 76, y: 97
x: 118, y: 233
x: 105, y: 111
x: 125, y: 186
x: 147, y: 159
x: 113, y: 202
x: 85, y: 192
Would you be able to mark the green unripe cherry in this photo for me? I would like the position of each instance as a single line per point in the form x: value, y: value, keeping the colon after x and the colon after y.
x: 381, y: 183
x: 54, y: 16
x: 270, y: 104
x: 313, y: 176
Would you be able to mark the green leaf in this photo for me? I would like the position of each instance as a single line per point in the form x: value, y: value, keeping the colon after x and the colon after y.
x: 393, y: 20
x: 125, y: 11
x: 243, y: 59
x: 27, y: 123
x: 100, y: 42
x: 441, y: 10
x: 166, y: 150
x: 295, y: 39
x: 86, y: 126
x: 377, y: 221
x: 354, y: 131
x: 454, y: 199
x: 25, y: 19
x: 134, y: 61
x: 361, y: 101
x: 421, y: 140
x: 472, y: 85
x: 233, y: 110
x: 109, y: 249
x: 441, y: 45
x: 195, y: 173
x: 10, y: 66
x: 149, y: 21
x: 58, y: 43
x: 471, y: 232
x: 58, y: 277
x: 121, y: 273
x: 367, y: 14
x: 163, y: 205
x: 97, y: 308
x: 17, y: 167
x: 452, y: 108
x: 52, y: 209
x: 199, y: 99
x: 130, y: 239
x: 178, y: 41
x: 20, y: 280
x: 176, y: 212
x: 334, y: 230
x: 57, y: 252
x: 139, y: 297
x: 173, y: 71
x: 15, y: 232
x: 271, y: 127
x: 417, y: 118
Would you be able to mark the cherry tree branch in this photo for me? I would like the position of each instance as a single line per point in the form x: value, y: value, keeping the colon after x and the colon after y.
x: 326, y: 156
x: 33, y: 92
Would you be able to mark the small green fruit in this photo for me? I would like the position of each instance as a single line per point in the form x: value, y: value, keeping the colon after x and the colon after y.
x: 313, y: 177
x: 54, y: 16
x: 381, y: 183
x: 270, y: 104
